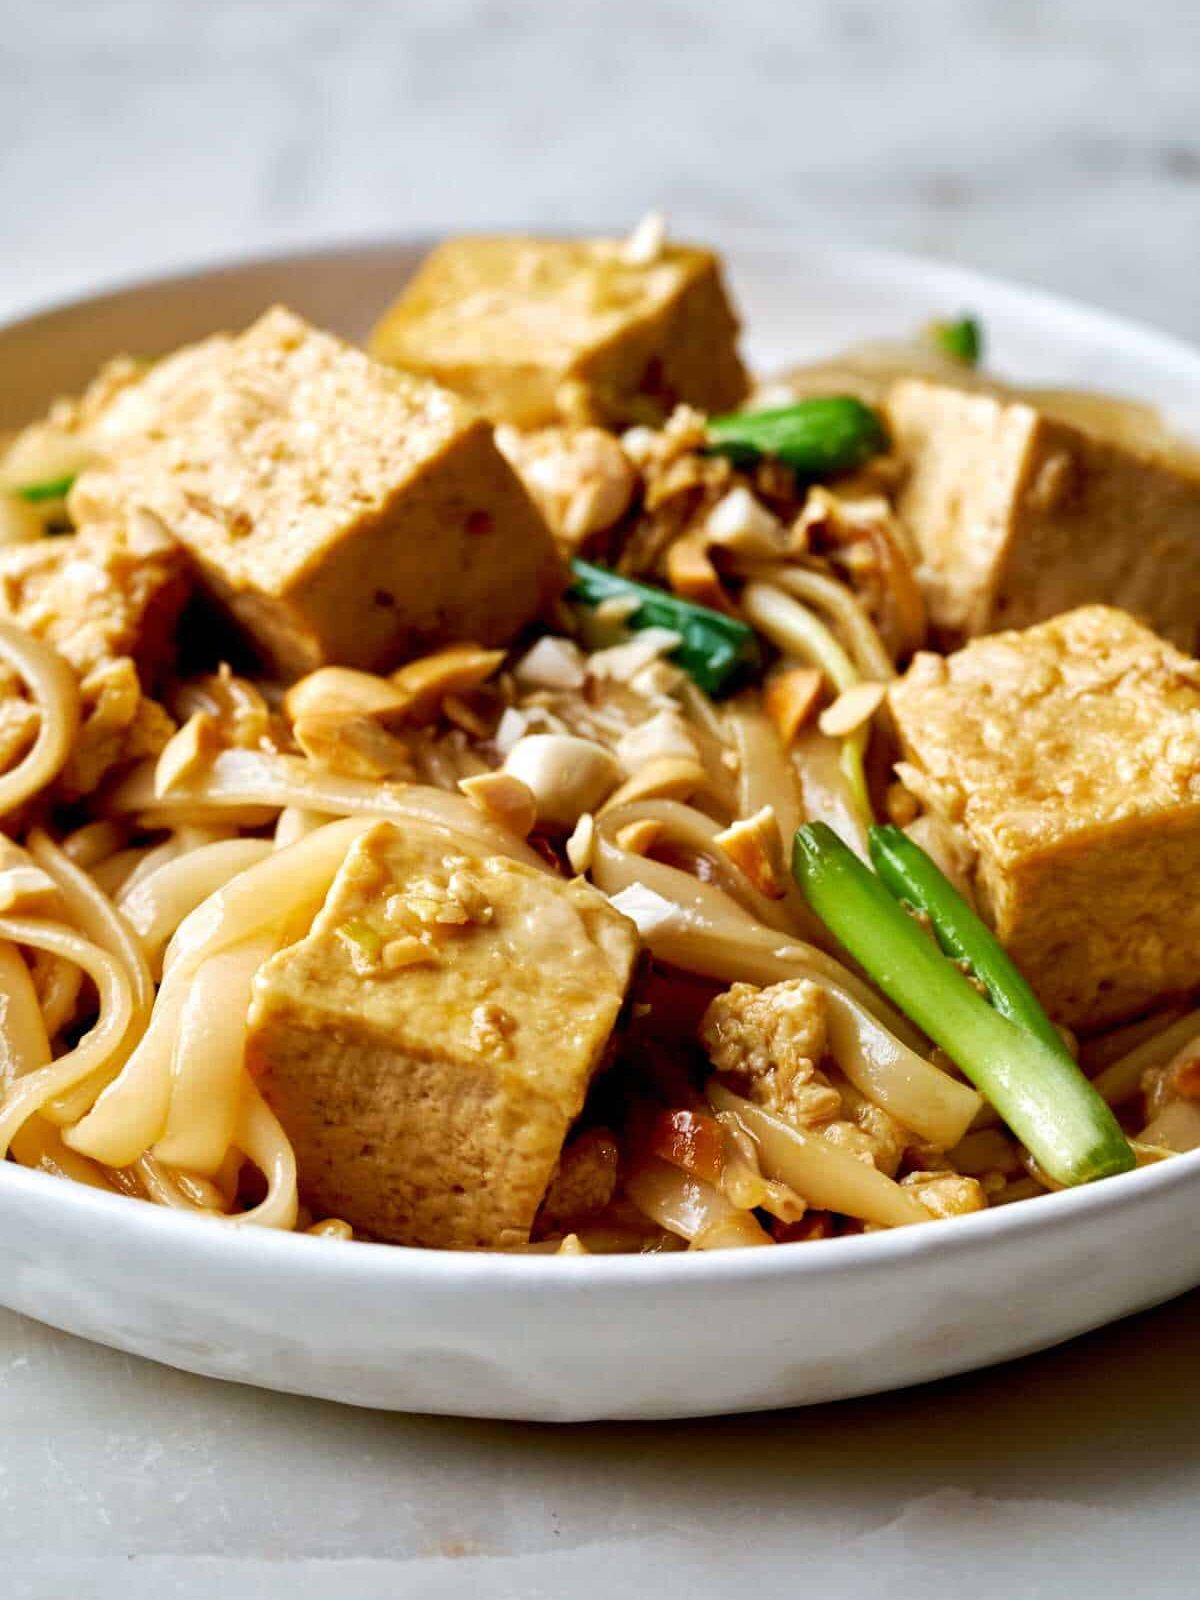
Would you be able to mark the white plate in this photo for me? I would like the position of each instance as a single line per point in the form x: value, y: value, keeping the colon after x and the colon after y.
x: 561, y: 1339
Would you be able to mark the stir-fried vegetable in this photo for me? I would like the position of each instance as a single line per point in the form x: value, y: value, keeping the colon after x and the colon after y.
x: 961, y: 339
x: 1039, y: 1091
x: 51, y: 489
x: 715, y: 650
x: 912, y: 876
x: 816, y: 438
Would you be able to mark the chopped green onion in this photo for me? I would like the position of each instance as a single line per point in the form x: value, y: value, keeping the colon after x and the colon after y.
x: 364, y: 941
x: 817, y: 438
x: 912, y: 876
x: 962, y: 340
x: 715, y: 649
x: 52, y: 489
x: 1040, y: 1092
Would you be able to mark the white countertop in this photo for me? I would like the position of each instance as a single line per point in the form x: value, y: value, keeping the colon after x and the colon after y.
x: 1059, y: 144
x: 1069, y: 1474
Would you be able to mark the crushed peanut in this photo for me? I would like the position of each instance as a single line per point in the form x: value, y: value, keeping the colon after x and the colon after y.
x: 852, y: 710
x: 661, y: 778
x: 646, y: 242
x: 354, y: 745
x: 194, y: 745
x: 901, y: 805
x: 581, y: 845
x: 343, y: 691
x: 425, y: 683
x: 552, y: 663
x: 665, y: 734
x: 505, y: 798
x: 691, y: 574
x: 755, y: 845
x: 790, y: 698
x: 617, y: 608
x: 623, y: 662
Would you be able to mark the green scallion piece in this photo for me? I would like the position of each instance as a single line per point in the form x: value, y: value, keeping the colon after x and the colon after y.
x: 1039, y: 1091
x: 911, y: 875
x: 961, y: 339
x: 816, y: 438
x: 52, y: 489
x: 716, y: 651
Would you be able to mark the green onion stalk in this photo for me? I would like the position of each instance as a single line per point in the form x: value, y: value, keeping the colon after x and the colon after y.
x: 1005, y: 1045
x: 716, y: 651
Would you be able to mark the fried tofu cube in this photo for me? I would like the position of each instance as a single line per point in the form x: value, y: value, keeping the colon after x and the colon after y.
x: 1019, y: 515
x: 431, y: 1041
x: 1069, y: 755
x: 108, y: 600
x: 105, y: 592
x: 527, y: 328
x: 339, y: 510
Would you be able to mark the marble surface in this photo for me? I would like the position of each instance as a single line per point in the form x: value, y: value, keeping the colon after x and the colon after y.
x: 1056, y: 143
x: 1073, y: 1473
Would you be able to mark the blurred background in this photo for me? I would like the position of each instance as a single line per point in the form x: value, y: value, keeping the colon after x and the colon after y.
x: 1056, y: 141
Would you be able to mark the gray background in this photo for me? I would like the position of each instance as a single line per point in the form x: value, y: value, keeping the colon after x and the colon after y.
x: 1056, y: 142
x: 1052, y: 140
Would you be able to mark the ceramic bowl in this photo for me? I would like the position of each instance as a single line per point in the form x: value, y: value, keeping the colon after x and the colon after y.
x: 546, y: 1338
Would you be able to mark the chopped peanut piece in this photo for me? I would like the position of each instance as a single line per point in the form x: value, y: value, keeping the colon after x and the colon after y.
x: 741, y: 523
x: 852, y: 710
x: 691, y: 574
x: 195, y: 745
x: 344, y: 690
x: 617, y: 608
x: 755, y: 845
x: 646, y: 242
x: 426, y: 682
x: 504, y: 797
x: 355, y: 746
x: 552, y: 663
x: 790, y: 699
x: 664, y: 778
x: 582, y: 843
x: 901, y: 804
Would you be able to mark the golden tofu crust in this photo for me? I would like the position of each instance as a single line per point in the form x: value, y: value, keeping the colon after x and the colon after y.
x: 1019, y: 515
x: 509, y: 321
x: 429, y: 1044
x: 107, y: 591
x: 108, y: 600
x: 339, y: 510
x: 1069, y: 754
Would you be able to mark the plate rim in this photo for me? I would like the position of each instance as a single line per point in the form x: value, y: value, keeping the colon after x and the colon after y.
x: 776, y: 244
x: 261, y: 1249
